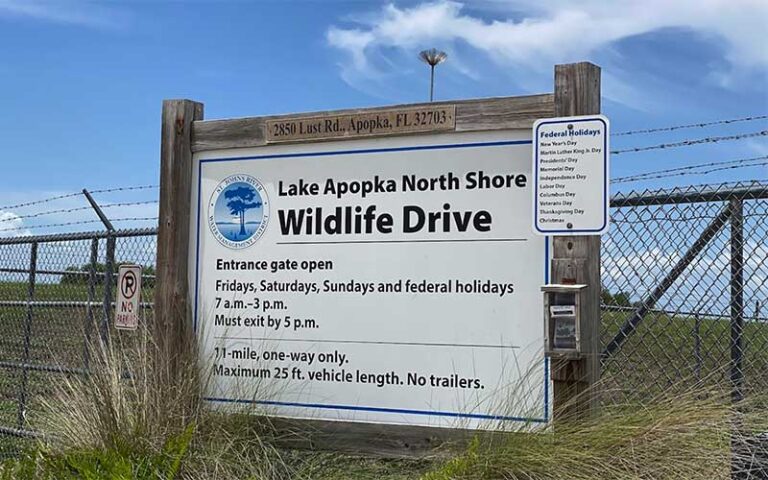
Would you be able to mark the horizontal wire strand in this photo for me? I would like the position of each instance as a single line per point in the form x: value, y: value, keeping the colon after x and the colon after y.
x: 690, y: 125
x: 75, y: 209
x: 690, y: 170
x: 82, y: 222
x: 76, y: 194
x: 697, y: 141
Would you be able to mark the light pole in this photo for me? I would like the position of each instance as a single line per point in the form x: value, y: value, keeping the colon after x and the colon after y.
x: 432, y: 57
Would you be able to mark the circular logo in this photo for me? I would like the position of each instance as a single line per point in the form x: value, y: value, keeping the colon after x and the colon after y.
x: 238, y: 211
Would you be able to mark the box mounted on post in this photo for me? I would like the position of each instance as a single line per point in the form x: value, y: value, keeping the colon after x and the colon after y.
x: 563, y: 314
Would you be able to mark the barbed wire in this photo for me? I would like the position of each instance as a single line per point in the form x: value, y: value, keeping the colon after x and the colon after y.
x: 124, y: 189
x: 690, y: 125
x: 77, y: 194
x: 697, y: 141
x: 81, y: 222
x: 38, y: 202
x: 75, y: 209
x: 689, y: 170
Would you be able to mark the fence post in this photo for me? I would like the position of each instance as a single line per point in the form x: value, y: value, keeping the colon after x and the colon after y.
x: 27, y: 336
x: 737, y: 330
x: 576, y: 259
x: 737, y: 299
x: 108, y: 272
x: 91, y: 298
x: 108, y: 267
x: 172, y: 321
x: 98, y: 210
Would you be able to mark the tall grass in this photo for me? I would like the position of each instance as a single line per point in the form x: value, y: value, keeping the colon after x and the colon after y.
x: 690, y: 435
x: 139, y: 414
x: 132, y: 398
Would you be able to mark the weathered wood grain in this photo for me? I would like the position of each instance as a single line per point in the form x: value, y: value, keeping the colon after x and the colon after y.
x: 393, y: 121
x: 371, y: 438
x: 172, y: 319
x: 471, y: 115
x: 576, y: 259
x: 393, y: 441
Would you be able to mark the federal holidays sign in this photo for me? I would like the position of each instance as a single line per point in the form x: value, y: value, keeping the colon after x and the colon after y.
x: 392, y: 280
x: 570, y: 165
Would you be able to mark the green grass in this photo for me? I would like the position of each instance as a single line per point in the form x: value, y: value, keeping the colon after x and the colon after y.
x: 46, y: 291
x: 660, y: 355
x: 331, y: 466
x: 95, y: 464
x: 57, y: 291
x: 9, y: 412
x: 99, y: 464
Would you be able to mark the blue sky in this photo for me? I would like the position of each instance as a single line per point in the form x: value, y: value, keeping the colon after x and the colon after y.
x: 81, y: 83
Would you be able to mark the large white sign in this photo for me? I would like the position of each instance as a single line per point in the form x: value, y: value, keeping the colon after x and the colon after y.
x: 570, y: 165
x: 392, y: 280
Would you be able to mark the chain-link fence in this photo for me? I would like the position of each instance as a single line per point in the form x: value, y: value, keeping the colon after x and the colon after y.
x: 57, y: 293
x: 684, y: 274
x: 684, y: 295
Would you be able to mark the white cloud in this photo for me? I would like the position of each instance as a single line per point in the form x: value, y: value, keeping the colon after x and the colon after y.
x: 551, y: 32
x: 71, y: 12
x: 12, y: 225
x: 758, y: 146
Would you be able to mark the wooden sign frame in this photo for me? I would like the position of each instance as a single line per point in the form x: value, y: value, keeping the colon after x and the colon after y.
x: 574, y: 260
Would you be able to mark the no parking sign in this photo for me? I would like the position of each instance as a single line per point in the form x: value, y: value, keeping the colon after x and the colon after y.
x: 128, y: 295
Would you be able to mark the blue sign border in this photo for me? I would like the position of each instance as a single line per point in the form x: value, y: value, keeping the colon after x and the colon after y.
x: 536, y: 177
x: 543, y: 419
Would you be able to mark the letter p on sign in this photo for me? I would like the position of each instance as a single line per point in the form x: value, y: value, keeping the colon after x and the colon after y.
x: 128, y: 295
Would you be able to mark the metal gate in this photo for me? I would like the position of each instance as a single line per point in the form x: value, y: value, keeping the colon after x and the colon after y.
x: 56, y: 295
x: 685, y: 282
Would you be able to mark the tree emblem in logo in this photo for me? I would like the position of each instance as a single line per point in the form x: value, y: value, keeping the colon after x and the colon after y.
x: 238, y: 211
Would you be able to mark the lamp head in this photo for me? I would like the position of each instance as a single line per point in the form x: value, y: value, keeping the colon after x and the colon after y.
x: 432, y: 56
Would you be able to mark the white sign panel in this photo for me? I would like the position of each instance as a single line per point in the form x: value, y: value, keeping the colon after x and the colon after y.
x: 570, y: 165
x: 393, y: 280
x: 128, y: 296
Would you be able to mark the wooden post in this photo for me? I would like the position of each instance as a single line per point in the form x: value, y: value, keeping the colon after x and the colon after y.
x: 576, y: 259
x: 172, y: 312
